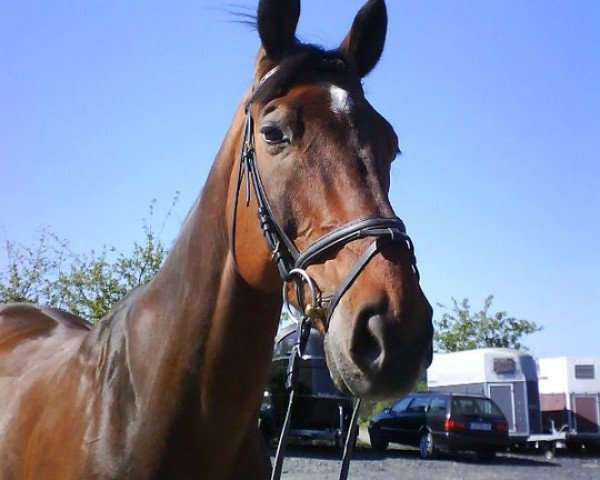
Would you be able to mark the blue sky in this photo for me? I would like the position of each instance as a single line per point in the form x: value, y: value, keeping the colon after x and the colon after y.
x: 107, y: 105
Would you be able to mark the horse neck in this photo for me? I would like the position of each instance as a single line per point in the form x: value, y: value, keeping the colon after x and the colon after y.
x: 198, y: 339
x: 202, y: 289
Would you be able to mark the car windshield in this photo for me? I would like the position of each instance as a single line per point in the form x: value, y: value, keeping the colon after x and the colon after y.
x: 474, y: 406
x: 401, y: 405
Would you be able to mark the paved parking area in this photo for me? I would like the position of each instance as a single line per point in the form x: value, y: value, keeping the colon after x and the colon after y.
x: 322, y: 463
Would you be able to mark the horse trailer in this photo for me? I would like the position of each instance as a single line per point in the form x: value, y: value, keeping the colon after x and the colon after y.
x: 507, y: 376
x: 570, y: 395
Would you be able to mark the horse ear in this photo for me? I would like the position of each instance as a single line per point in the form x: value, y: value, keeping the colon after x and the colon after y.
x: 363, y: 45
x: 277, y: 21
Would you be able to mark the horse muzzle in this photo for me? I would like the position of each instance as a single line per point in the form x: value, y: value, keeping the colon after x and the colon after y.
x: 374, y: 358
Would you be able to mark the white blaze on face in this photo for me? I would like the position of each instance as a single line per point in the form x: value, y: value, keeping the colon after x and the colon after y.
x: 340, y: 100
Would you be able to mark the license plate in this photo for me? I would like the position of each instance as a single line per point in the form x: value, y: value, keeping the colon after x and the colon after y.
x: 481, y: 426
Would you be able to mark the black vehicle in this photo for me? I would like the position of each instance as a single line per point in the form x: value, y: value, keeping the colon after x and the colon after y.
x: 320, y: 411
x: 436, y: 421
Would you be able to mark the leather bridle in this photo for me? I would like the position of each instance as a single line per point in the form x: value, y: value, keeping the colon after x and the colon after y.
x: 292, y: 263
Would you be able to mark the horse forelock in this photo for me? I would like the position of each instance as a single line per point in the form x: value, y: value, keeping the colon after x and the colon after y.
x: 305, y: 63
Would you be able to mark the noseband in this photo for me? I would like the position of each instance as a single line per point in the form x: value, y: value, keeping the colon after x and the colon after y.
x: 291, y: 262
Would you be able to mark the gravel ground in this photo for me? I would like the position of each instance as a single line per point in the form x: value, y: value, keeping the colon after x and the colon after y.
x: 322, y: 463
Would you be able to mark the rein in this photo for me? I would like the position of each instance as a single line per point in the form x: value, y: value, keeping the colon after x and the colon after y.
x: 292, y: 265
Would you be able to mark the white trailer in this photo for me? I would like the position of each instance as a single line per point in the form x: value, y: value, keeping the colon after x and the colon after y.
x: 507, y: 376
x: 570, y: 395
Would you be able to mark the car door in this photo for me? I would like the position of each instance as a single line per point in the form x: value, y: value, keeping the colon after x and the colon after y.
x: 391, y: 424
x: 413, y: 418
x: 436, y: 413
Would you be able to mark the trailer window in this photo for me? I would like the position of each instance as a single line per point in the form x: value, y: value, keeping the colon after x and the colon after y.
x: 585, y: 371
x: 504, y: 365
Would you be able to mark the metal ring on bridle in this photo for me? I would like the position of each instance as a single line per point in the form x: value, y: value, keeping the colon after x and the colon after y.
x: 313, y: 310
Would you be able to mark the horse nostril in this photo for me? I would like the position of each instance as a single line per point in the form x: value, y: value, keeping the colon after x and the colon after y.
x: 381, y: 344
x: 367, y: 348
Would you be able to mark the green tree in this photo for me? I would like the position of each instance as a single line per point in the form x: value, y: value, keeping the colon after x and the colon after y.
x: 87, y: 285
x: 460, y: 329
x: 28, y: 273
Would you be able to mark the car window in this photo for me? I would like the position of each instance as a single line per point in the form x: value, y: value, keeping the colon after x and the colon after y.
x: 438, y: 405
x: 474, y: 406
x: 400, y: 406
x: 284, y: 346
x: 418, y: 405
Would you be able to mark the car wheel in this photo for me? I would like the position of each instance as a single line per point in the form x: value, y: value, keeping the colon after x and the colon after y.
x: 426, y: 446
x: 549, y: 450
x: 517, y: 447
x: 485, y: 455
x: 377, y: 443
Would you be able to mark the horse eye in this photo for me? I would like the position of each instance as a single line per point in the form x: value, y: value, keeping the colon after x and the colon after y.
x: 273, y: 135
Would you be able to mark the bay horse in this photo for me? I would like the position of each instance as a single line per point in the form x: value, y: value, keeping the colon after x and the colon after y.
x: 169, y: 383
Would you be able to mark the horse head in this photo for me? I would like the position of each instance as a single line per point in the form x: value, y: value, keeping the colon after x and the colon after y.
x: 315, y: 159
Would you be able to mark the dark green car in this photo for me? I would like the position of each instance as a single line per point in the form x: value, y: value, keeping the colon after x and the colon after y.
x: 434, y: 421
